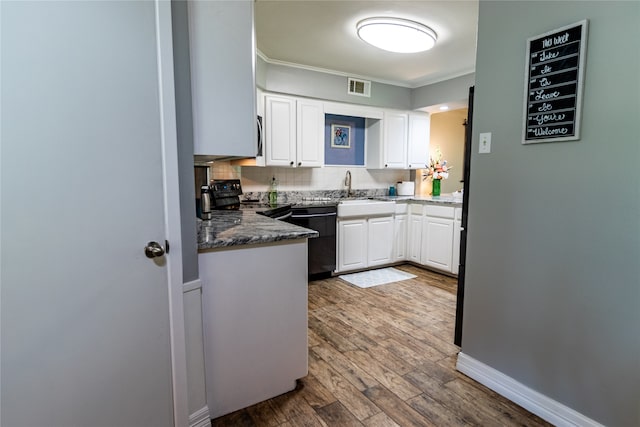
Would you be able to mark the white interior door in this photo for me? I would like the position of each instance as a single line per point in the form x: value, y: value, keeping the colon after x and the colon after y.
x: 85, y: 314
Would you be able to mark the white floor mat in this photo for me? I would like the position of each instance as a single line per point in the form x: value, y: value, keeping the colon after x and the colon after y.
x: 367, y: 279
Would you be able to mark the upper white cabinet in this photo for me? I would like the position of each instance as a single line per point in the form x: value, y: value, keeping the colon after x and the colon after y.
x: 395, y: 140
x: 294, y: 131
x: 310, y: 133
x: 279, y: 127
x: 418, y: 141
x: 223, y: 97
x: 387, y: 141
x: 399, y: 141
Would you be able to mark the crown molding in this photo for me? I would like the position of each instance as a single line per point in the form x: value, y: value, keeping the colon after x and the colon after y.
x: 414, y: 85
x: 268, y: 60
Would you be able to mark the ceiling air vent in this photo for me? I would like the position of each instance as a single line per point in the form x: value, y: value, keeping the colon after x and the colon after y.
x: 359, y: 87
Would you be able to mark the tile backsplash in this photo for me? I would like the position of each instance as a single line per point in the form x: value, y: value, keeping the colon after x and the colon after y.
x: 257, y: 179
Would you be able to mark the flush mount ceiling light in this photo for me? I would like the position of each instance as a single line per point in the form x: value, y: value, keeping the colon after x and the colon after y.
x: 396, y: 34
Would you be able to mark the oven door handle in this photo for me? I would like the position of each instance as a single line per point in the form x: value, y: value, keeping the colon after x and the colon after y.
x: 285, y: 216
x: 314, y: 215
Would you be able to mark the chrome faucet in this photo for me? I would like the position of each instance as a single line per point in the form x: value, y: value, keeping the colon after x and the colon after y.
x: 347, y: 182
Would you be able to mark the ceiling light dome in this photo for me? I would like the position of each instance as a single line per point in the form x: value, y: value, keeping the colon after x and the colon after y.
x: 396, y: 34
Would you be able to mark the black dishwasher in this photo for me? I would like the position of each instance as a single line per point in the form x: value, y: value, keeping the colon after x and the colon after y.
x: 320, y: 217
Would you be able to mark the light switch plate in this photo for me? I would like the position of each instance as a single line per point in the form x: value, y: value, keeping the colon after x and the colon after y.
x: 485, y: 143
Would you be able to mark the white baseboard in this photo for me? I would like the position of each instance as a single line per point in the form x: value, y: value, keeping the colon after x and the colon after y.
x: 537, y: 403
x: 200, y: 418
x: 191, y: 286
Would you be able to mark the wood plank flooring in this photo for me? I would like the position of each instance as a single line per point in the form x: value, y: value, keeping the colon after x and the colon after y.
x: 383, y: 356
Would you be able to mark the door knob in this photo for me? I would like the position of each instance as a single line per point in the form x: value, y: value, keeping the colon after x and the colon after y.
x: 153, y: 250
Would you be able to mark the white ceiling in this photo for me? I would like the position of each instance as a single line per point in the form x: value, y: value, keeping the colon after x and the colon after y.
x: 321, y: 34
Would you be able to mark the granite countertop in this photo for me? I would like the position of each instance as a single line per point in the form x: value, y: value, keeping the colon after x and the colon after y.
x: 445, y: 199
x: 245, y: 227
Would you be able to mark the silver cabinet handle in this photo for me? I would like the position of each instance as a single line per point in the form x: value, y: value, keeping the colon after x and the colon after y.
x: 153, y: 250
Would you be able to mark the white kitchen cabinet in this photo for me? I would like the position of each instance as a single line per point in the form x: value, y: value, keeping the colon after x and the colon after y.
x: 457, y: 228
x: 352, y: 244
x: 294, y: 131
x: 365, y: 242
x: 418, y: 141
x: 380, y: 241
x: 414, y: 233
x: 387, y: 142
x: 310, y: 133
x: 224, y: 114
x: 437, y: 237
x: 400, y: 226
x: 395, y: 140
x: 280, y: 130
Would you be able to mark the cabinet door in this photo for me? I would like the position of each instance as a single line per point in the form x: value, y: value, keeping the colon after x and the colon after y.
x: 380, y: 248
x: 280, y: 130
x: 437, y: 242
x: 352, y: 244
x: 395, y: 140
x: 222, y: 92
x: 414, y: 238
x: 455, y: 263
x: 418, y: 144
x: 400, y: 238
x: 310, y: 133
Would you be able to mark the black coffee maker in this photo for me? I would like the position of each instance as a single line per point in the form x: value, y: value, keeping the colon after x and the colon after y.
x: 225, y: 193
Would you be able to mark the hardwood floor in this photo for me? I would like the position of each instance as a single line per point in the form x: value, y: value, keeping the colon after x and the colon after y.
x: 383, y: 356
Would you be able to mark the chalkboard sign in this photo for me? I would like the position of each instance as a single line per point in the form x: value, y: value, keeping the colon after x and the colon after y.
x: 553, y: 84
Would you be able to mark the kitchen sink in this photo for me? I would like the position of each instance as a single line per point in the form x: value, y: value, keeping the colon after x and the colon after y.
x: 365, y: 207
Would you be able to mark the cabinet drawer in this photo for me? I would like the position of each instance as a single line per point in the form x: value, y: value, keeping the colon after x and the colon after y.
x: 401, y: 208
x: 416, y: 208
x: 458, y: 214
x: 440, y: 211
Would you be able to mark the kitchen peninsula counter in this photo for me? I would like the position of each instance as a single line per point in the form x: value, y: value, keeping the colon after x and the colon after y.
x: 253, y: 272
x: 245, y: 227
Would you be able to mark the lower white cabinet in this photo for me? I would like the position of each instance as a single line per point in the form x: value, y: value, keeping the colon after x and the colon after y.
x: 414, y: 233
x: 364, y: 242
x: 352, y: 244
x: 437, y: 237
x: 400, y: 227
x: 380, y: 245
x: 425, y: 234
x: 457, y: 228
x: 437, y: 242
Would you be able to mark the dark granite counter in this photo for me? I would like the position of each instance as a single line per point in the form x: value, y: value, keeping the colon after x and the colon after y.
x: 445, y: 199
x: 245, y: 227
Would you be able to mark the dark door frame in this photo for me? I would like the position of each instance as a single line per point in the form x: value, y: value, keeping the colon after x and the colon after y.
x: 457, y: 338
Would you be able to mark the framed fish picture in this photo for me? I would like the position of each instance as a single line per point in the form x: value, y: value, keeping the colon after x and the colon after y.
x: 340, y: 136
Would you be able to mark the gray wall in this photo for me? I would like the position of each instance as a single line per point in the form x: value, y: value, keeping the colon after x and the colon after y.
x: 553, y: 271
x: 314, y: 84
x: 454, y: 89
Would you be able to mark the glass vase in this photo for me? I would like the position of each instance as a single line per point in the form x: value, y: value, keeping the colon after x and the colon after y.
x: 435, y: 191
